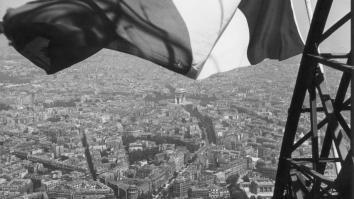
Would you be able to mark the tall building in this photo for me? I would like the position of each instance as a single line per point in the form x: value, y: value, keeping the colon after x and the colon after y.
x: 59, y: 149
x: 180, y: 188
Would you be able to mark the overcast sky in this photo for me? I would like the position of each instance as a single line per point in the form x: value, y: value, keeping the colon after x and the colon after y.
x: 338, y: 42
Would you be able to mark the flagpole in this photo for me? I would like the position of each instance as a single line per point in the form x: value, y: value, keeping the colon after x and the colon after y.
x: 309, y: 10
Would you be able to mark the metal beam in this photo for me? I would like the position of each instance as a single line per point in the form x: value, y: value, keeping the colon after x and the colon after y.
x: 313, y: 120
x: 308, y: 135
x: 352, y: 99
x: 335, y: 56
x: 314, y: 174
x: 302, y: 83
x: 332, y: 111
x: 336, y: 124
x: 306, y: 160
x: 331, y: 63
x: 335, y: 27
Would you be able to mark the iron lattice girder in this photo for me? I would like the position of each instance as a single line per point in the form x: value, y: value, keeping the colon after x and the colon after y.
x: 295, y: 179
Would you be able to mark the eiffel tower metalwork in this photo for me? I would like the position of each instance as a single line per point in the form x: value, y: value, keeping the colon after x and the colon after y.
x: 301, y: 176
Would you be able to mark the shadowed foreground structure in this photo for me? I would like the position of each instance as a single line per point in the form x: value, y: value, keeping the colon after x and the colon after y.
x: 311, y: 177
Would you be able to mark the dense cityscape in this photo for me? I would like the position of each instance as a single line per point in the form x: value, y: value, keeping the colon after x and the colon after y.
x: 148, y: 133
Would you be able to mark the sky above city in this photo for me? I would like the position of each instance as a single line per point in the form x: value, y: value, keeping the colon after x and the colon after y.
x: 337, y: 42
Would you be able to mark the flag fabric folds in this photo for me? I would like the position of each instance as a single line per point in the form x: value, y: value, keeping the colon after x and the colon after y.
x: 196, y: 38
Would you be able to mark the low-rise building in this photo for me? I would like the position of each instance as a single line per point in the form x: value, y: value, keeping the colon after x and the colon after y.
x: 262, y: 188
x: 198, y: 192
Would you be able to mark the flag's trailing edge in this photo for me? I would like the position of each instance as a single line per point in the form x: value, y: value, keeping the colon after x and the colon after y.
x: 195, y: 38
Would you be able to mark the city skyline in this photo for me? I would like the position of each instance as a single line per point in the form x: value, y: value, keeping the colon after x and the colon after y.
x: 115, y: 126
x: 138, y: 130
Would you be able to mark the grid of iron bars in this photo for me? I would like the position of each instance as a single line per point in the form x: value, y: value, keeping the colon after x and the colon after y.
x: 330, y: 134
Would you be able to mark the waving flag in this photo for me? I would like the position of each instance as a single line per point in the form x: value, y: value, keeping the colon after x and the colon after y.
x: 196, y: 38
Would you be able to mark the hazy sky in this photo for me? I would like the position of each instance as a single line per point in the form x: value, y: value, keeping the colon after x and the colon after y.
x: 338, y: 42
x: 4, y: 4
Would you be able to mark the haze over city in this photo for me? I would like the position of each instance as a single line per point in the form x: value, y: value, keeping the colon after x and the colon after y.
x: 117, y: 126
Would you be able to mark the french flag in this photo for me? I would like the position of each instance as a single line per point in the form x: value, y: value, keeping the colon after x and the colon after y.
x: 196, y: 38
